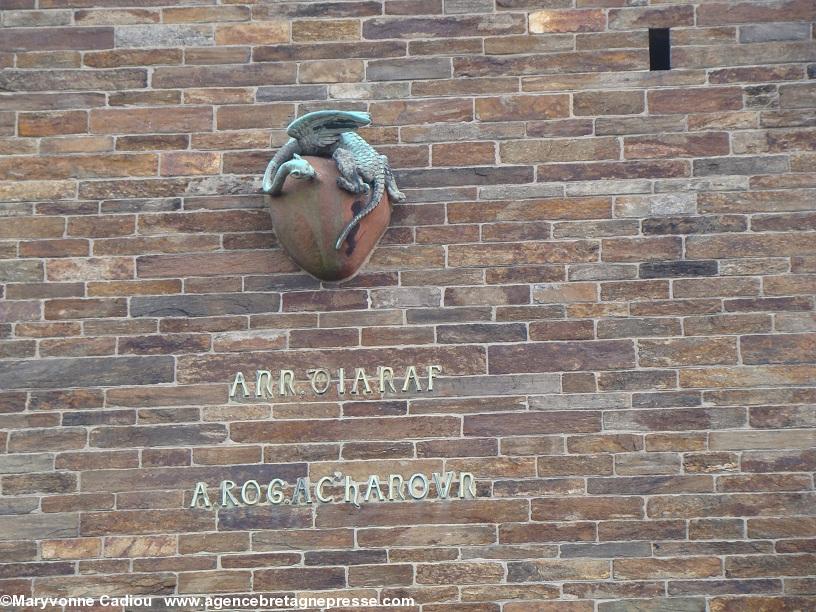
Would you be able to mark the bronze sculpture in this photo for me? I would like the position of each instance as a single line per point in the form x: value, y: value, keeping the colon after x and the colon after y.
x: 331, y: 133
x: 331, y: 217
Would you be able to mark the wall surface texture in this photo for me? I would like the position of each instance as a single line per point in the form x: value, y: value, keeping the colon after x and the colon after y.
x: 614, y: 267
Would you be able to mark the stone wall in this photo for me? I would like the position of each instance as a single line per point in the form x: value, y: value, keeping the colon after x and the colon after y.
x: 615, y: 268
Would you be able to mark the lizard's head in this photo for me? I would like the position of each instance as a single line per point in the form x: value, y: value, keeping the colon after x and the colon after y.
x: 300, y: 168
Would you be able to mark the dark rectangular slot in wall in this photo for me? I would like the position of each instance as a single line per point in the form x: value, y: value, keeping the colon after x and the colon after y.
x: 659, y: 49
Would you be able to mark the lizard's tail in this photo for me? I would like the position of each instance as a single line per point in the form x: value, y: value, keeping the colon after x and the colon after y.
x: 377, y: 191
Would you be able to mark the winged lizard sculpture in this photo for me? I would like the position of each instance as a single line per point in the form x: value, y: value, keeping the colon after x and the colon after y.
x: 332, y: 133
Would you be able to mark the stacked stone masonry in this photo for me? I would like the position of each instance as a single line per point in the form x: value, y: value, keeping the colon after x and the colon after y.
x: 615, y: 268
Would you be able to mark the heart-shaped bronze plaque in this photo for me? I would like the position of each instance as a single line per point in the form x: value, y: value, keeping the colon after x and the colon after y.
x: 311, y: 213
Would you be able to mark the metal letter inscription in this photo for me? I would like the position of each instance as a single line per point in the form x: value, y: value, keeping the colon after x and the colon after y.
x: 326, y: 217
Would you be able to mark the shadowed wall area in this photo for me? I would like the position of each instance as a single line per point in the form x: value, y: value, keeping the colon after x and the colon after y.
x: 613, y: 266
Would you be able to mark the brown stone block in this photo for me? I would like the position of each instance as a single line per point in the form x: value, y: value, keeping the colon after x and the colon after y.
x: 561, y: 569
x: 755, y: 201
x: 52, y: 123
x: 203, y: 221
x: 166, y: 435
x: 755, y: 566
x: 132, y: 57
x: 205, y: 14
x: 654, y: 463
x: 22, y: 484
x: 711, y: 99
x: 378, y: 450
x: 529, y: 253
x: 77, y: 347
x: 463, y: 154
x: 514, y: 108
x: 297, y: 539
x: 214, y: 582
x: 613, y: 170
x: 581, y: 20
x: 771, y: 603
x: 782, y: 348
x: 27, y: 191
x: 782, y: 527
x: 18, y: 551
x: 641, y: 249
x: 414, y: 111
x: 768, y: 245
x: 408, y: 513
x: 762, y: 439
x: 127, y: 288
x: 688, y: 567
x: 140, y: 546
x: 687, y: 351
x: 256, y: 116
x: 448, y: 26
x: 650, y: 17
x: 762, y: 482
x: 79, y: 501
x: 604, y: 443
x: 459, y: 573
x: 60, y: 247
x: 587, y: 508
x: 65, y: 438
x: 331, y: 71
x: 608, y: 103
x: 563, y: 356
x: 555, y: 606
x: 86, y: 166
x: 393, y: 574
x: 164, y: 344
x: 50, y: 80
x: 641, y: 530
x: 559, y: 150
x: 182, y: 163
x: 263, y: 559
x: 539, y: 422
x: 258, y: 33
x: 111, y: 585
x: 238, y: 341
x: 212, y: 542
x: 575, y: 465
x: 749, y: 12
x: 744, y: 504
x: 25, y: 39
x: 148, y: 120
x: 300, y: 578
x: 325, y: 30
x: 85, y: 308
x: 676, y: 145
x: 530, y: 210
x: 427, y: 536
x: 214, y: 264
x: 146, y: 521
x: 152, y: 142
x: 582, y: 61
x: 81, y: 460
x: 48, y: 59
x: 779, y: 461
x: 512, y: 45
x: 464, y: 87
x: 362, y: 429
x: 780, y: 416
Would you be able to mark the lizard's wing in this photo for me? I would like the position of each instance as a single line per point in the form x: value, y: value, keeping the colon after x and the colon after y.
x: 323, y: 128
